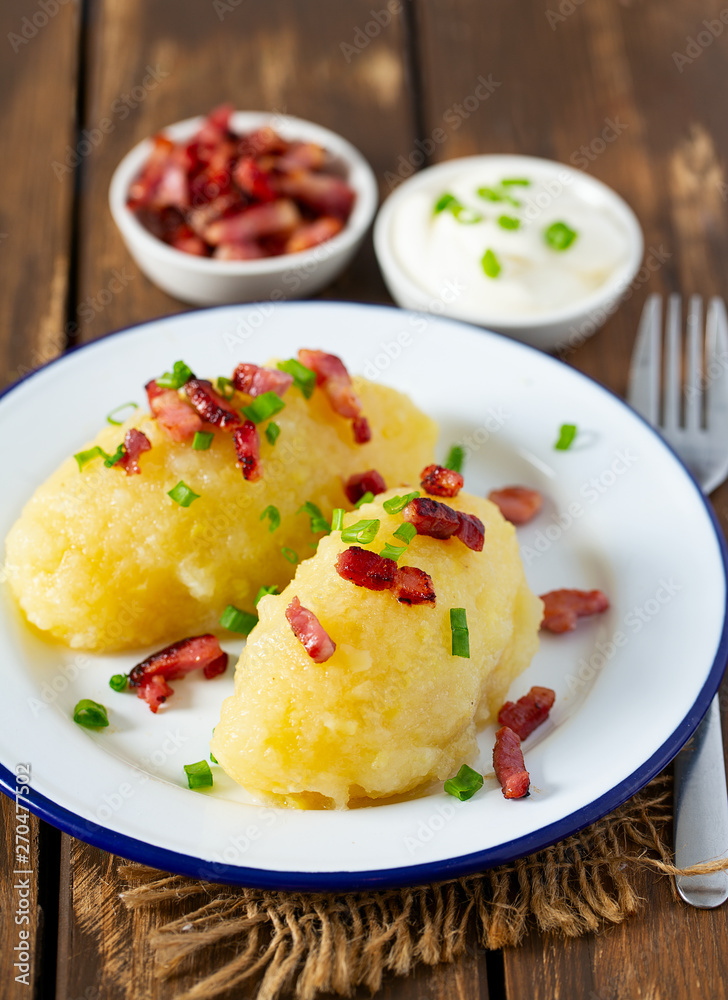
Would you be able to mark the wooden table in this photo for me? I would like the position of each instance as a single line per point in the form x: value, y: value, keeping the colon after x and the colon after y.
x: 631, y: 90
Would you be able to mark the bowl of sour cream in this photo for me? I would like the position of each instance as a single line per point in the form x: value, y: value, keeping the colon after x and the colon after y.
x: 530, y: 248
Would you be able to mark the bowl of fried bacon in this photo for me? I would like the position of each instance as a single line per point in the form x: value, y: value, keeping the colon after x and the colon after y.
x: 240, y: 206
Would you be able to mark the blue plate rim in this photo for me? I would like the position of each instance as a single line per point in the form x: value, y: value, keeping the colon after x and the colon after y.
x: 431, y: 872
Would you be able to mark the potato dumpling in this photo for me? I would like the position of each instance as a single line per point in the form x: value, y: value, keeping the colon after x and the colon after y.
x: 106, y: 561
x: 392, y: 708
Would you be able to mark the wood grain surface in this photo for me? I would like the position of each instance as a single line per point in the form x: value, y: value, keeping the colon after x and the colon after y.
x: 613, y: 87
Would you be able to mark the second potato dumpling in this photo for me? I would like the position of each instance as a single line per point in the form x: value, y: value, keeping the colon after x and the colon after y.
x: 348, y: 693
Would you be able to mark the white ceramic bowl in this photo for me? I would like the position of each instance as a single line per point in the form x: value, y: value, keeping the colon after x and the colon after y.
x: 204, y: 281
x: 558, y: 328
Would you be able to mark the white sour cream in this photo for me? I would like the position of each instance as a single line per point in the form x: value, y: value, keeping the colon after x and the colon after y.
x: 437, y: 251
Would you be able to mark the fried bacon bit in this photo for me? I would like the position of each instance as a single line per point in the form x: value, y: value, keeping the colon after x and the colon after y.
x: 135, y: 443
x: 363, y: 482
x: 210, y: 405
x: 366, y: 569
x: 413, y: 586
x: 247, y: 448
x: 510, y: 768
x: 563, y: 607
x: 441, y: 482
x: 324, y: 194
x: 517, y: 504
x: 432, y: 518
x: 334, y: 379
x: 173, y: 414
x: 310, y: 234
x: 255, y: 381
x: 198, y: 652
x: 310, y: 632
x: 275, y: 218
x: 527, y: 714
x: 471, y: 531
x: 253, y: 180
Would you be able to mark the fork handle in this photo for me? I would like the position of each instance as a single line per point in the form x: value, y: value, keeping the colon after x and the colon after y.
x: 701, y: 812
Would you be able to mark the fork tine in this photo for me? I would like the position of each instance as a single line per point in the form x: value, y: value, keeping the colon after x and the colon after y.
x: 644, y: 376
x: 694, y: 379
x: 716, y: 333
x: 673, y: 369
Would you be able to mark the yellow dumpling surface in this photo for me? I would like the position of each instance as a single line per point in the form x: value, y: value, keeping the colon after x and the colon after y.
x: 106, y: 561
x: 392, y: 708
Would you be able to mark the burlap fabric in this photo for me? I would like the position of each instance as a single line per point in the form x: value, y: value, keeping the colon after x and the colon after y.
x: 302, y: 945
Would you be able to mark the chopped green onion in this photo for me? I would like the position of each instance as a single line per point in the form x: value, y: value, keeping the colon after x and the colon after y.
x: 111, y: 460
x: 199, y: 775
x: 406, y: 532
x: 465, y: 783
x: 490, y: 194
x: 90, y: 714
x: 367, y: 498
x: 303, y: 378
x: 455, y: 458
x: 512, y: 181
x: 395, y: 504
x: 509, y: 222
x: 290, y: 555
x: 444, y: 201
x: 272, y: 431
x: 112, y: 416
x: 467, y: 216
x: 226, y: 387
x: 264, y: 592
x: 176, y: 378
x: 183, y: 495
x: 119, y: 682
x: 559, y: 236
x: 202, y: 440
x: 263, y: 406
x: 392, y: 551
x: 491, y: 264
x: 337, y: 519
x: 273, y: 515
x: 362, y: 531
x: 84, y: 457
x: 460, y: 633
x: 214, y: 759
x: 318, y: 521
x: 567, y: 433
x: 235, y: 620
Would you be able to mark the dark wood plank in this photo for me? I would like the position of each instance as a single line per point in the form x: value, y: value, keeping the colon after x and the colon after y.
x: 37, y: 81
x: 265, y: 56
x: 562, y: 78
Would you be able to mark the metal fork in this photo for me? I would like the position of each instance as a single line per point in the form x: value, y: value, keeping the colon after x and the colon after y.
x: 699, y: 434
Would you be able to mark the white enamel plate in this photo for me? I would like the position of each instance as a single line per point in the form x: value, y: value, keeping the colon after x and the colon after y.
x: 621, y: 514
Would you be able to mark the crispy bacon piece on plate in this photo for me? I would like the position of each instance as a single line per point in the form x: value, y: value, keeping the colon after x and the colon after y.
x: 527, y: 714
x: 135, y: 443
x: 172, y: 413
x: 563, y: 607
x: 210, y: 405
x: 432, y: 518
x: 310, y: 632
x: 334, y: 379
x: 366, y: 569
x: 471, y: 531
x: 363, y: 482
x: 273, y: 218
x: 413, y: 586
x: 510, y: 768
x: 441, y: 482
x: 199, y: 652
x: 247, y: 448
x: 517, y: 504
x: 323, y: 193
x: 254, y: 380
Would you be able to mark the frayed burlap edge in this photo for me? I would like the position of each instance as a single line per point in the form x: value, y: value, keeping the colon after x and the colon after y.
x: 308, y: 944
